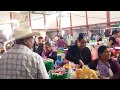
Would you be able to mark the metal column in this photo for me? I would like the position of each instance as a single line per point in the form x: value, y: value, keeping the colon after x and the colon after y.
x: 108, y: 21
x: 87, y: 23
x: 71, y: 31
x: 44, y: 23
x: 11, y: 22
x: 57, y: 25
x: 30, y: 19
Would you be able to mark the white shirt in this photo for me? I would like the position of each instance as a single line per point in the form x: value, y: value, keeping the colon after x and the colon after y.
x: 21, y: 63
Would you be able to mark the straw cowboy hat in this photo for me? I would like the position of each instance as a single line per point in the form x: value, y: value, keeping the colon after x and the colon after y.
x: 24, y: 32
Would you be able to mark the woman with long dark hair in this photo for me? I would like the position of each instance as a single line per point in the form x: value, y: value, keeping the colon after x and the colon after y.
x: 79, y: 52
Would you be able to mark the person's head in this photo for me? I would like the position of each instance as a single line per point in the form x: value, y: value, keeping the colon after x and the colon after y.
x: 47, y: 46
x: 81, y: 41
x: 26, y: 41
x: 24, y: 35
x: 61, y: 37
x: 40, y: 39
x: 115, y: 33
x: 104, y: 52
x: 92, y: 34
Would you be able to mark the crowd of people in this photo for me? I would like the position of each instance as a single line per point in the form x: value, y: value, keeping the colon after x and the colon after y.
x: 24, y: 60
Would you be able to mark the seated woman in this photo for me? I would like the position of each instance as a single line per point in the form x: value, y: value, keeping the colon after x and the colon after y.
x: 79, y: 52
x: 48, y: 52
x: 107, y: 66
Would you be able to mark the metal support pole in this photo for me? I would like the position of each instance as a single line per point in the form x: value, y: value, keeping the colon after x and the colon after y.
x: 71, y: 31
x: 108, y: 21
x: 11, y: 19
x: 87, y: 23
x: 57, y: 25
x: 44, y: 23
x: 30, y: 19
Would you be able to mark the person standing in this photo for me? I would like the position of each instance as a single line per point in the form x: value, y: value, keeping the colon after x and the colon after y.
x: 61, y: 43
x: 21, y: 62
x: 79, y: 52
x: 40, y: 46
x: 113, y: 39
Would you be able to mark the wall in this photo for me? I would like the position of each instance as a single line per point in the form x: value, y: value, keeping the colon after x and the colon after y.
x: 42, y: 32
x: 115, y: 16
x: 23, y: 18
x: 4, y: 18
x: 37, y: 21
x: 96, y: 17
x: 65, y: 21
x: 76, y: 33
x: 78, y: 18
x: 51, y: 22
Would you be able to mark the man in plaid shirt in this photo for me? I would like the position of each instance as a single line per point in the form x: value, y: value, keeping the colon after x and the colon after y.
x: 21, y: 62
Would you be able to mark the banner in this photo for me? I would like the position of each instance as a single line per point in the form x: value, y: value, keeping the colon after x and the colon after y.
x: 22, y: 17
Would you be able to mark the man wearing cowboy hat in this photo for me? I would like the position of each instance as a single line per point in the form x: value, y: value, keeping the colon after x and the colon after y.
x: 21, y: 62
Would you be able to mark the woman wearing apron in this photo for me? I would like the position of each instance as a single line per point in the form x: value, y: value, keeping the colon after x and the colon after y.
x: 49, y: 52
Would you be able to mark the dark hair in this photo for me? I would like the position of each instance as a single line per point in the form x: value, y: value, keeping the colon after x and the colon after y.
x: 102, y: 48
x: 61, y: 37
x: 40, y: 37
x: 115, y: 32
x: 80, y: 37
x: 48, y: 43
x: 21, y: 41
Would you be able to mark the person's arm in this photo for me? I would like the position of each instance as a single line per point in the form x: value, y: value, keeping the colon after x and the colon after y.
x: 110, y: 43
x: 70, y: 55
x: 41, y: 69
x: 53, y: 56
x: 88, y: 57
x: 116, y: 69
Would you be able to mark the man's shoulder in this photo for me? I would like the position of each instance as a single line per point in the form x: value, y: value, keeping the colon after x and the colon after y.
x: 33, y: 54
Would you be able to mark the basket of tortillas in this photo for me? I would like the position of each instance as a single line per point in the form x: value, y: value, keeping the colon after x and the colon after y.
x: 85, y: 73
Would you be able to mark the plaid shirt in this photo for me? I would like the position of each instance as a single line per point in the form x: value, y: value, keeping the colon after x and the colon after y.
x: 21, y: 63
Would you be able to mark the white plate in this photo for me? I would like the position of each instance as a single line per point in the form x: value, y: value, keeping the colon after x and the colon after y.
x: 117, y: 47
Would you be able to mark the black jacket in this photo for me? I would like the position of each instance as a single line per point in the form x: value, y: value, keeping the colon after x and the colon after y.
x: 53, y: 56
x: 74, y: 54
x: 40, y: 49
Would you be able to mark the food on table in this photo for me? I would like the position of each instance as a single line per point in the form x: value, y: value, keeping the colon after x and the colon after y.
x: 59, y: 51
x: 66, y: 66
x: 86, y: 73
x: 60, y: 73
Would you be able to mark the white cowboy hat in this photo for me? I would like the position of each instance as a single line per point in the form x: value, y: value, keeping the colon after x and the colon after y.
x: 24, y: 32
